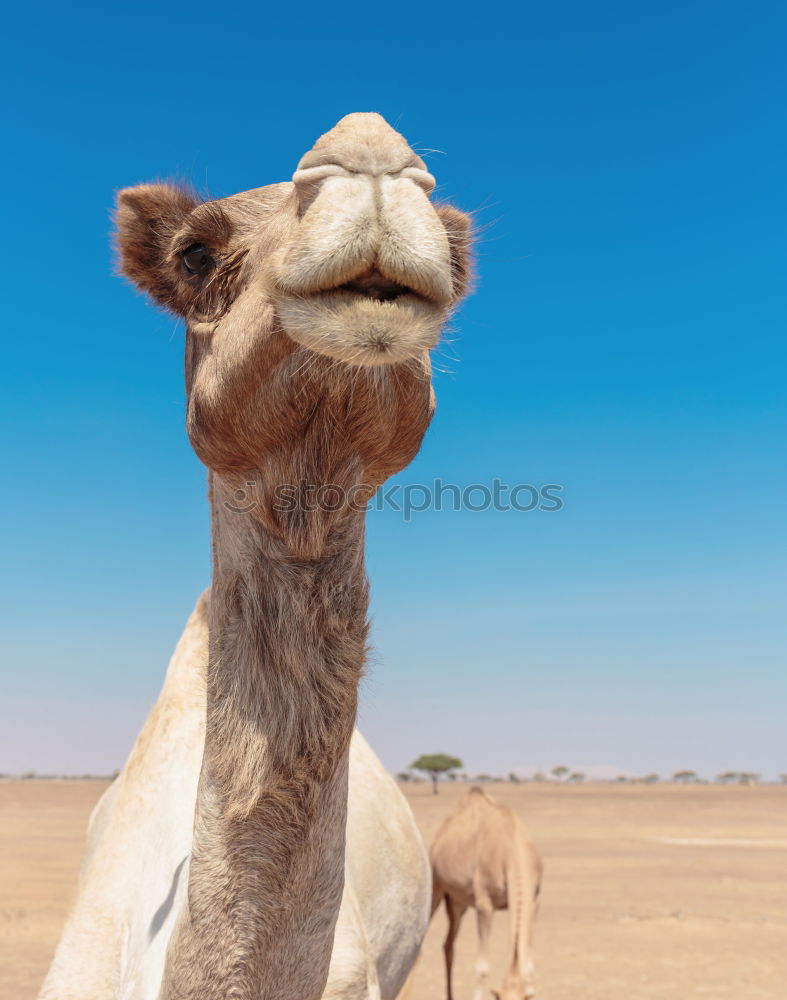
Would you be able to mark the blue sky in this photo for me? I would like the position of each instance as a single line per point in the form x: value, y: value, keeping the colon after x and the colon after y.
x: 626, y: 164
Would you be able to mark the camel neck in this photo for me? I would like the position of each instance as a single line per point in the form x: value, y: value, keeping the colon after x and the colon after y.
x: 287, y: 647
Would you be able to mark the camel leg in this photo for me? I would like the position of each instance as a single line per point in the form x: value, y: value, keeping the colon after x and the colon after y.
x: 455, y: 914
x: 438, y: 895
x: 522, y: 971
x: 526, y: 951
x: 484, y: 912
x: 407, y: 989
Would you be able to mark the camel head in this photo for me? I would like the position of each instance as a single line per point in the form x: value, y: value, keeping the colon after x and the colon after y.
x: 310, y: 305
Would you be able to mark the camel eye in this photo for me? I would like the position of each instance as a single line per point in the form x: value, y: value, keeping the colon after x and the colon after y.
x: 197, y: 260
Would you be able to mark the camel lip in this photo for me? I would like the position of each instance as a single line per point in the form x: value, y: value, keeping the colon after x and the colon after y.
x: 369, y: 286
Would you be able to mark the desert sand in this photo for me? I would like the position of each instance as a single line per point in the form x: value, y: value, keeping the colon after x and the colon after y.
x: 650, y: 893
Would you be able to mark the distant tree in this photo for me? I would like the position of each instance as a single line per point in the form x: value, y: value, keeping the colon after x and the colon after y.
x: 404, y: 776
x: 685, y: 777
x: 651, y: 779
x: 539, y: 776
x: 435, y: 764
x: 748, y: 778
x: 575, y: 778
x: 560, y: 771
x: 451, y: 775
x: 28, y: 776
x: 783, y: 778
x: 727, y: 777
x: 514, y: 778
x: 484, y: 779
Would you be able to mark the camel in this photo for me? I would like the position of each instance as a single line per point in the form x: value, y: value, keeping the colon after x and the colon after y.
x: 482, y: 857
x: 253, y: 847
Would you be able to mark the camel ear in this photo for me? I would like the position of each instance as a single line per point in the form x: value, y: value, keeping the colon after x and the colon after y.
x: 459, y: 229
x: 146, y: 219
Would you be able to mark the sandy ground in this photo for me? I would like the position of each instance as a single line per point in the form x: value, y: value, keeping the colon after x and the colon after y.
x: 650, y: 892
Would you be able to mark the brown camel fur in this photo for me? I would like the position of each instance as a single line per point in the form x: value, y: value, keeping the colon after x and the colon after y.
x: 482, y: 857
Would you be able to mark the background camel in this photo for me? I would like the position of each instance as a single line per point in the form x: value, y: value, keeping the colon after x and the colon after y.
x: 216, y: 862
x: 482, y: 857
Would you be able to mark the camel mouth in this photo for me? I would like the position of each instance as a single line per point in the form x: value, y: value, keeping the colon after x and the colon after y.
x: 374, y: 285
x: 369, y: 320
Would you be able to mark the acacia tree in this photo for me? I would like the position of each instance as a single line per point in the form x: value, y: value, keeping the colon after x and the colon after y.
x: 560, y: 771
x: 685, y: 777
x: 435, y: 764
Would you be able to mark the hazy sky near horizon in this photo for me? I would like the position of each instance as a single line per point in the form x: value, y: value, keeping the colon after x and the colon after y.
x: 626, y: 164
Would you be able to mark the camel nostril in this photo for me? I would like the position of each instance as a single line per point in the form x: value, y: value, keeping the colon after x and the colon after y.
x: 422, y: 178
x: 306, y: 176
x: 308, y: 181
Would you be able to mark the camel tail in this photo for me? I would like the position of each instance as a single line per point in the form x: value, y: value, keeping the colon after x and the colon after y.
x: 524, y: 882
